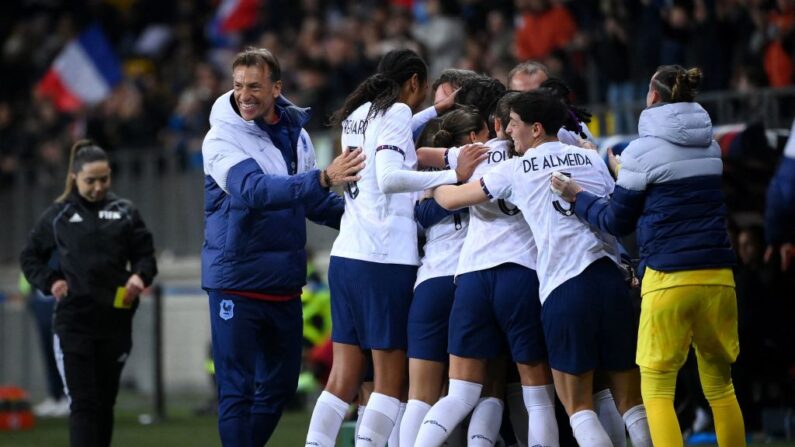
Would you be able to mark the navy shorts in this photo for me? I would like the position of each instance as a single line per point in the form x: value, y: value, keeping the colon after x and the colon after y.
x: 429, y: 317
x: 370, y: 302
x: 494, y: 305
x: 589, y: 322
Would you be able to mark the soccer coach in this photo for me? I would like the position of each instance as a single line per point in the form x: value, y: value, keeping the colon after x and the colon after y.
x: 260, y: 184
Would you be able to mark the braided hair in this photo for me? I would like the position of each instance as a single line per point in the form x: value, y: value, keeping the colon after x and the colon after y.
x: 483, y: 93
x: 383, y: 88
x: 559, y: 89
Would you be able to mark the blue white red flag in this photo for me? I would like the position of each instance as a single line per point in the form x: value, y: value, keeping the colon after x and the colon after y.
x: 83, y: 73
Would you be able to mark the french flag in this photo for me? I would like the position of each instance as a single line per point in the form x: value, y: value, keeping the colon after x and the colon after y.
x: 84, y: 73
x: 236, y: 15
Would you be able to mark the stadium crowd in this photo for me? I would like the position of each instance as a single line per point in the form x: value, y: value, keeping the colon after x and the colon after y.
x: 174, y: 60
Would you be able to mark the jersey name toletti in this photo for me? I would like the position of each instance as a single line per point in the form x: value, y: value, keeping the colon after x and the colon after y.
x: 566, y: 245
x: 497, y: 233
x: 378, y: 227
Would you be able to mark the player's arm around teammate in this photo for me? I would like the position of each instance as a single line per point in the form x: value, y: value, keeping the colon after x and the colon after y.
x: 523, y: 181
x: 669, y: 187
x: 374, y: 259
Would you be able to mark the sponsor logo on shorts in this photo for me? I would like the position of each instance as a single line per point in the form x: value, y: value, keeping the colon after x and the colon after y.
x: 312, y: 443
x: 227, y: 309
x: 364, y: 438
x: 433, y: 422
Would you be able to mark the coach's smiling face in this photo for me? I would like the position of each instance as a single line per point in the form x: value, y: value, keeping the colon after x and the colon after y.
x: 255, y: 92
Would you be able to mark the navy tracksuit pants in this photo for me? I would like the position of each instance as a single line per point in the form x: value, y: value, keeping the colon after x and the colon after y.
x: 257, y: 352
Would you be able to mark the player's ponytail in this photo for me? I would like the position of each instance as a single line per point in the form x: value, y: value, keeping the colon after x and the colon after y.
x: 383, y: 88
x: 674, y: 83
x: 82, y: 152
x: 456, y: 126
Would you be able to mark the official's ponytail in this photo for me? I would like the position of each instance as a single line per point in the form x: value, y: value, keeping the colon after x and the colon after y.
x: 82, y: 152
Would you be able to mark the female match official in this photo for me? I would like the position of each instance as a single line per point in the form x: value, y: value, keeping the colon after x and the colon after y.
x: 96, y: 235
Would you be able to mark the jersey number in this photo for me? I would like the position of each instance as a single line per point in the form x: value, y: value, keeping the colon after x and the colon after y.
x: 352, y: 188
x: 557, y: 205
x: 506, y: 209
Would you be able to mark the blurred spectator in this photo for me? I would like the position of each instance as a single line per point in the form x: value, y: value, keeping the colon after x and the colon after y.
x: 442, y: 34
x: 543, y: 26
x: 604, y: 50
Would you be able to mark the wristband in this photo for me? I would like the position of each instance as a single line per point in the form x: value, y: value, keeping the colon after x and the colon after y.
x: 326, y: 178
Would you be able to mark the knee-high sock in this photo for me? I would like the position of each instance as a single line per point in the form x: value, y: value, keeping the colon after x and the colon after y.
x: 638, y: 426
x: 484, y: 425
x: 410, y: 424
x: 517, y: 411
x: 657, y: 389
x: 587, y: 430
x: 394, y: 437
x: 378, y: 420
x: 610, y: 418
x: 540, y: 403
x: 718, y: 389
x: 359, y: 415
x: 448, y: 412
x: 326, y: 420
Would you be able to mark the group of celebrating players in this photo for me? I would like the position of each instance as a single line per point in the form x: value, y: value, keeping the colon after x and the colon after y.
x: 518, y: 293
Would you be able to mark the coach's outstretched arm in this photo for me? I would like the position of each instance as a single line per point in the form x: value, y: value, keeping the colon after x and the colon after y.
x: 617, y: 215
x: 241, y: 177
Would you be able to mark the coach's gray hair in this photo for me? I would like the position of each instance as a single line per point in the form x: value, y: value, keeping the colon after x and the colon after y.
x: 259, y: 57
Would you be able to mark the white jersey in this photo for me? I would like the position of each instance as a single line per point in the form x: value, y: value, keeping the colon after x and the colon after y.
x: 443, y: 242
x: 378, y: 226
x: 497, y: 231
x: 566, y: 245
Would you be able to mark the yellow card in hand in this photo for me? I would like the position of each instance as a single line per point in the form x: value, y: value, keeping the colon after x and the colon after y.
x: 118, y: 302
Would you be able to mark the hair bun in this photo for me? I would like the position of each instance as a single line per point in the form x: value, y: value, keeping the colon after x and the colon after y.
x: 443, y: 138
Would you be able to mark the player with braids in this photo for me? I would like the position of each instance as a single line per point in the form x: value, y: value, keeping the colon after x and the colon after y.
x: 669, y: 190
x: 482, y: 92
x: 374, y: 259
x: 575, y: 127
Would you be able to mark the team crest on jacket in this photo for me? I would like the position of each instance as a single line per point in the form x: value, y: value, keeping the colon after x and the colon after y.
x: 227, y: 309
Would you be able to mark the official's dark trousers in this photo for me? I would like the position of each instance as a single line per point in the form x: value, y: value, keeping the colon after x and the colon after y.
x: 91, y: 368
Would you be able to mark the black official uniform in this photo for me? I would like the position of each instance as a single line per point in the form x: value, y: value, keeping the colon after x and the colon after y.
x: 95, y: 243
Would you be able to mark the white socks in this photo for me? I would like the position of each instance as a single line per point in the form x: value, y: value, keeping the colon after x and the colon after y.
x: 638, y: 426
x: 587, y: 430
x: 484, y: 425
x: 326, y: 420
x: 378, y: 420
x: 448, y: 412
x: 543, y: 427
x: 609, y: 417
x: 359, y: 416
x: 410, y: 424
x: 517, y: 411
x: 394, y: 437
